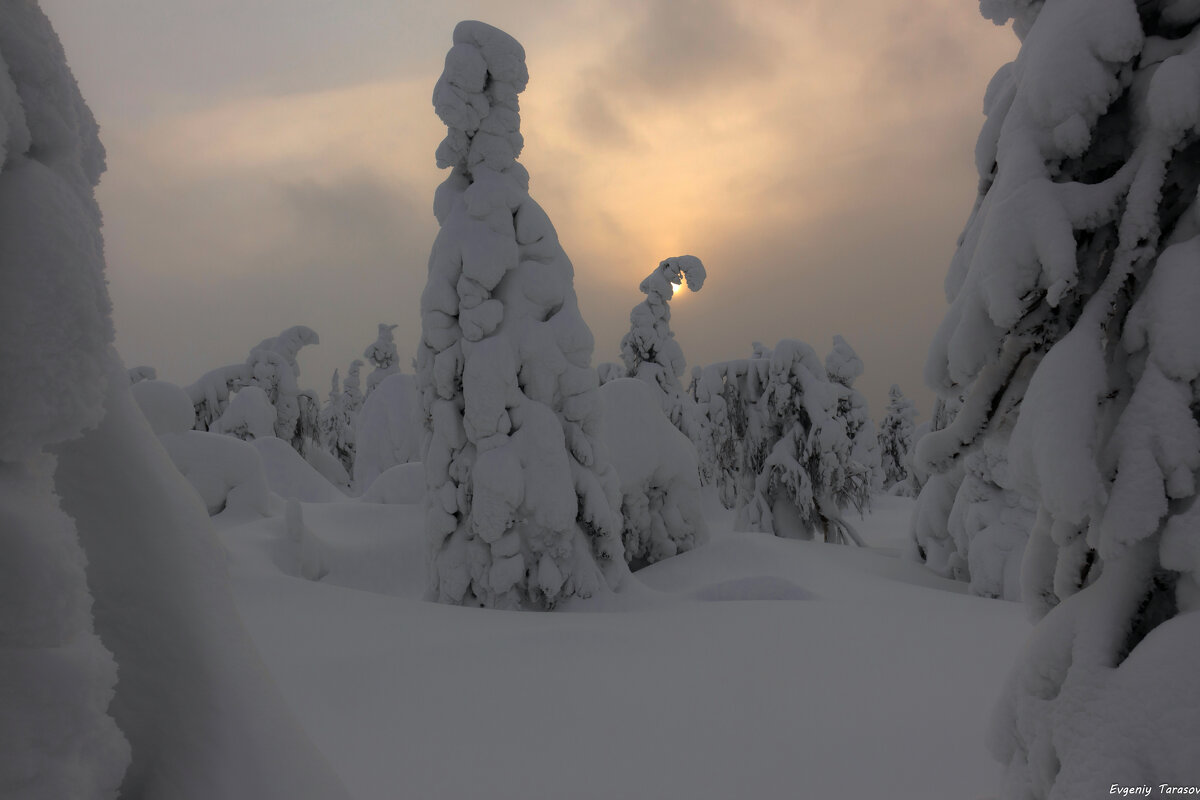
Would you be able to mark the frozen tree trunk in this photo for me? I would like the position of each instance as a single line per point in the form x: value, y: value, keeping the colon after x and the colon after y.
x: 523, y: 505
x: 1072, y: 331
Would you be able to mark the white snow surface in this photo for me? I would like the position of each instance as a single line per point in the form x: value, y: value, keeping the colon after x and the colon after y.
x: 749, y: 667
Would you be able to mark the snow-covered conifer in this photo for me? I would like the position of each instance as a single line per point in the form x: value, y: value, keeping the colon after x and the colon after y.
x: 352, y: 388
x: 652, y: 354
x: 382, y: 355
x: 796, y: 474
x: 56, y: 677
x: 249, y: 415
x: 523, y: 507
x: 895, y: 439
x: 1072, y: 332
x: 337, y: 426
x: 107, y: 561
x: 844, y: 367
x: 142, y: 374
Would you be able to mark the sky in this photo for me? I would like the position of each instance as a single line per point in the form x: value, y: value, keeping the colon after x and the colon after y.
x: 270, y: 164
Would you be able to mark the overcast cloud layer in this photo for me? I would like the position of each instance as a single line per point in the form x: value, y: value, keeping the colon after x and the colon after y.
x: 271, y: 164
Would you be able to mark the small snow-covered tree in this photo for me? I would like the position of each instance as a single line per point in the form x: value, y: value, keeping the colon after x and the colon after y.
x: 249, y: 415
x: 660, y: 482
x: 523, y: 505
x: 651, y: 353
x: 844, y: 367
x: 137, y: 374
x: 1072, y: 333
x: 337, y: 426
x: 382, y: 355
x: 352, y: 388
x: 895, y: 439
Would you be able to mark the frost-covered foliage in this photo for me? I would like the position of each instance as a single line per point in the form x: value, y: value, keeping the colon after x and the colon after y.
x: 352, y: 388
x: 382, y: 355
x: 137, y: 374
x: 660, y: 484
x: 796, y: 472
x: 609, y: 371
x: 843, y: 367
x: 896, y: 439
x: 389, y: 430
x: 107, y: 561
x: 1072, y: 331
x: 56, y: 677
x: 249, y: 415
x: 723, y: 447
x: 523, y: 505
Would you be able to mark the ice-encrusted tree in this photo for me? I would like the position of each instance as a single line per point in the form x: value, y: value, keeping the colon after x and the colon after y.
x: 382, y: 355
x: 1073, y: 332
x: 895, y: 438
x: 523, y: 505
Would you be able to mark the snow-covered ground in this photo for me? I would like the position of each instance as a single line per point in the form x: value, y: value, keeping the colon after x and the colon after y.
x: 751, y: 667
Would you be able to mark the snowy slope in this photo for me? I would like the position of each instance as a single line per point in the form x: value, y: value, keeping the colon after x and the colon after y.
x: 751, y: 667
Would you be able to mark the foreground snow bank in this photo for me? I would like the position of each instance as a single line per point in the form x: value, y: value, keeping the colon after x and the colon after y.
x: 749, y: 667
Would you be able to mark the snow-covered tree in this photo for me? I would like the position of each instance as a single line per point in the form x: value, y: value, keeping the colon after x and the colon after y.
x: 523, y: 506
x: 844, y: 367
x: 1072, y: 332
x: 337, y: 426
x: 651, y: 353
x: 352, y: 388
x: 382, y: 355
x: 107, y: 562
x: 896, y: 439
x: 249, y: 415
x: 137, y: 374
x: 272, y: 367
x: 56, y: 676
x: 796, y: 474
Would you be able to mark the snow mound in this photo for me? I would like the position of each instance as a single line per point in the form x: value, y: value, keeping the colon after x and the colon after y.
x: 757, y: 587
x: 227, y: 473
x: 660, y: 483
x: 290, y: 476
x: 166, y: 406
x: 389, y: 429
x: 403, y: 484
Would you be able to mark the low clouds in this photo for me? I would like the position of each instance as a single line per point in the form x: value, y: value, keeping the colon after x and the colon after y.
x: 816, y: 156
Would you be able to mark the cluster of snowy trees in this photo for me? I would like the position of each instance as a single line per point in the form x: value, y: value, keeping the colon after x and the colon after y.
x: 792, y: 444
x: 1069, y: 368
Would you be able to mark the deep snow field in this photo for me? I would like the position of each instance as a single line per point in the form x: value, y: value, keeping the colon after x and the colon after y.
x: 751, y: 667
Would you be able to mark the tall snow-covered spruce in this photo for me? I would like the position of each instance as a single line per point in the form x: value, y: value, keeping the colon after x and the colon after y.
x: 523, y: 505
x: 1073, y: 334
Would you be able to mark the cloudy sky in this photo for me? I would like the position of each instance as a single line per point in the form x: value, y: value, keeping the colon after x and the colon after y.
x: 270, y: 163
